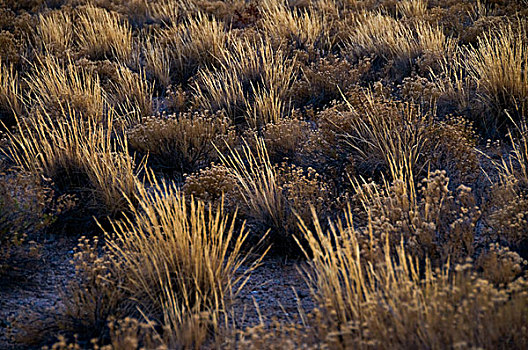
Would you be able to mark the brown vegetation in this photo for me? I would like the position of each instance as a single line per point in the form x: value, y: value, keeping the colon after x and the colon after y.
x: 382, y: 143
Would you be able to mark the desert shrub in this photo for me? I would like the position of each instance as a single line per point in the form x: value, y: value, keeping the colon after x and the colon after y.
x: 397, y: 304
x: 451, y: 146
x: 500, y: 265
x: 252, y: 83
x: 506, y: 217
x: 80, y: 157
x: 26, y: 208
x: 214, y: 185
x: 428, y: 218
x: 273, y: 195
x: 94, y: 296
x: 326, y: 79
x: 102, y: 34
x: 183, y: 143
x: 56, y: 87
x: 10, y: 48
x: 284, y: 139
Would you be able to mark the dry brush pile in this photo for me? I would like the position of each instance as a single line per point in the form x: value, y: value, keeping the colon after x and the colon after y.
x: 383, y: 142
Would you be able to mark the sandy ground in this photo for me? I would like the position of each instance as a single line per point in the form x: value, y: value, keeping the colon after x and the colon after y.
x: 275, y: 290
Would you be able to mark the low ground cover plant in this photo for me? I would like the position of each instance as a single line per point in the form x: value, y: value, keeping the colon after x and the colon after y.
x: 381, y: 144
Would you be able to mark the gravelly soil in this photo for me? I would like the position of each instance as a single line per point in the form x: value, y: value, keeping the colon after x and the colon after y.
x: 275, y: 290
x: 34, y: 284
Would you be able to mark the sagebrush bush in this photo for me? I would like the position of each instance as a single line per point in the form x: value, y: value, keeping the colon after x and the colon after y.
x: 214, y: 185
x: 183, y: 143
x: 398, y: 304
x: 430, y: 219
x: 326, y: 79
x: 26, y: 208
x: 284, y: 139
x: 272, y: 196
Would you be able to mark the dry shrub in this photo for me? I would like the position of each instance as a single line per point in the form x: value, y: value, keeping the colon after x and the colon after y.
x: 102, y: 34
x: 500, y: 265
x: 194, y: 43
x: 80, y: 157
x: 398, y: 305
x: 429, y: 218
x: 451, y: 146
x: 26, y: 209
x: 214, y: 185
x: 252, y: 83
x: 284, y: 139
x: 57, y: 87
x: 10, y: 48
x: 55, y: 33
x: 273, y: 195
x: 324, y: 80
x: 183, y: 143
x: 507, y: 214
x: 94, y: 295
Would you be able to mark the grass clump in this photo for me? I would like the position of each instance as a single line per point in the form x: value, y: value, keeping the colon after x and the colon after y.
x: 80, y: 157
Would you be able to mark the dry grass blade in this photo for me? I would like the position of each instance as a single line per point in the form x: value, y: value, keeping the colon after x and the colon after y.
x: 181, y: 260
x: 258, y: 182
x: 79, y: 156
x: 102, y: 34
